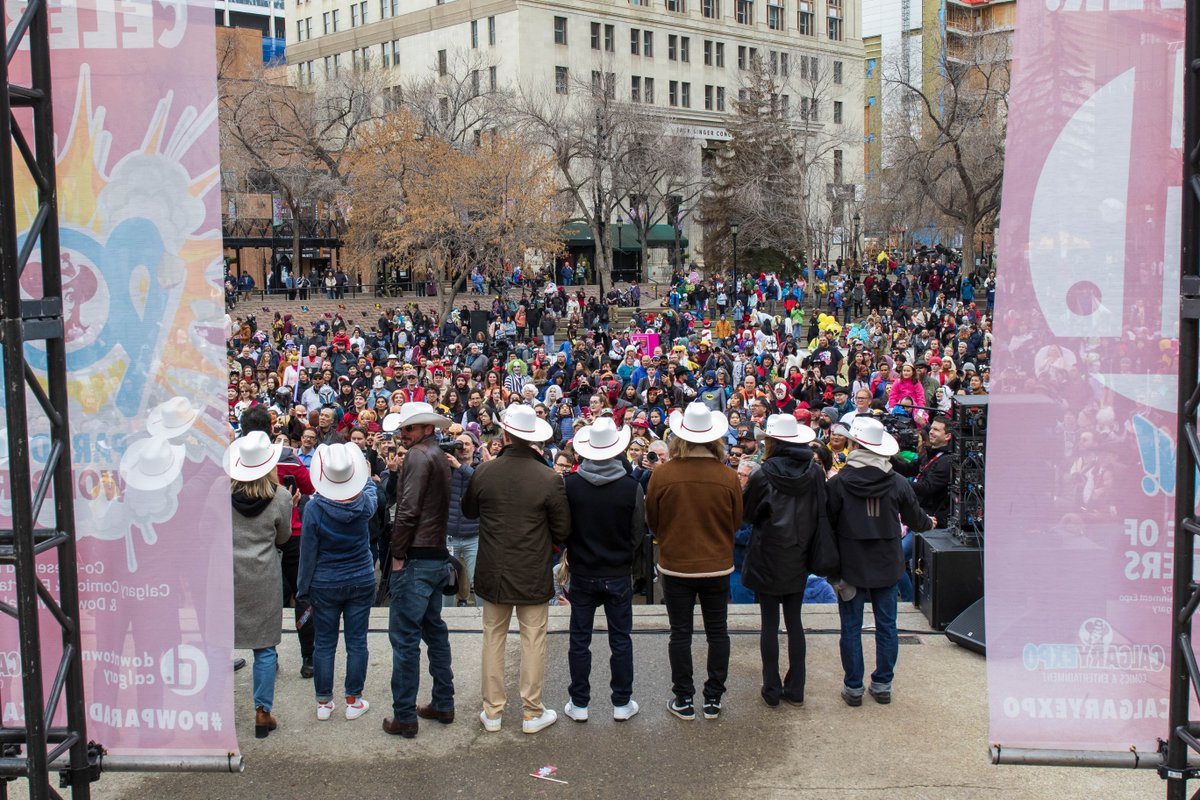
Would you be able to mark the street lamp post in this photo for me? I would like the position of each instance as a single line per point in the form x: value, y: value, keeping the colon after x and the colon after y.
x: 857, y: 220
x: 733, y: 230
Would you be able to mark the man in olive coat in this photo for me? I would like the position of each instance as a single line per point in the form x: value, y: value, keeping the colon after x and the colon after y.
x: 521, y: 505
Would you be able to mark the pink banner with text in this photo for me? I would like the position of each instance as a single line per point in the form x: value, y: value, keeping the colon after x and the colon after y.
x: 135, y: 101
x: 1081, y: 458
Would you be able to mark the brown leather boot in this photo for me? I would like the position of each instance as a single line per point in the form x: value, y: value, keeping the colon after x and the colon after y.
x: 264, y: 723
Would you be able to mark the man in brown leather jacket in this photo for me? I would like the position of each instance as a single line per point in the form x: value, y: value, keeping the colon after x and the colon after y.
x: 419, y: 572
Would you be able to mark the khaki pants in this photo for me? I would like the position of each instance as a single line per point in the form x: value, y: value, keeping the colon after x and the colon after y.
x: 532, y: 622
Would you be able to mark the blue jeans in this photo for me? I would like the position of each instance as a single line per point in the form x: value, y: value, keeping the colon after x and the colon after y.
x: 887, y: 642
x: 466, y: 550
x: 906, y: 585
x: 264, y: 677
x: 331, y: 606
x: 548, y: 343
x: 616, y: 595
x: 416, y: 614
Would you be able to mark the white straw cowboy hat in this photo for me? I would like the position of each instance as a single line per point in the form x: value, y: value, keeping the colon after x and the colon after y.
x: 785, y: 428
x: 339, y: 471
x: 696, y: 423
x: 869, y: 432
x: 417, y: 413
x: 602, y: 440
x: 172, y: 418
x: 251, y: 457
x: 152, y: 463
x: 523, y: 422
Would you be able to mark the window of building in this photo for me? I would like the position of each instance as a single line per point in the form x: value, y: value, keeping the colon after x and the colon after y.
x: 308, y: 27
x: 775, y: 15
x: 635, y: 41
x: 834, y: 10
x: 595, y: 35
x: 648, y: 90
x: 708, y: 97
x: 648, y: 44
x: 474, y: 33
x: 754, y: 57
x: 837, y: 112
x: 708, y: 50
x: 560, y: 30
x: 672, y: 47
x: 491, y: 30
x: 837, y: 166
x: 720, y: 98
x: 475, y: 83
x: 804, y: 18
x: 299, y: 30
x: 673, y: 93
x: 676, y: 5
x: 610, y: 39
x: 383, y: 9
x: 784, y: 105
x: 710, y: 8
x: 337, y: 20
x: 774, y: 62
x: 744, y: 12
x: 720, y: 55
x: 492, y: 78
x: 685, y: 49
x: 442, y: 69
x: 837, y: 72
x: 353, y: 15
x: 610, y: 85
x: 685, y: 94
x: 635, y: 89
x: 783, y: 64
x: 741, y: 56
x: 444, y: 108
x: 384, y: 55
x: 743, y: 95
x: 561, y: 78
x: 808, y: 68
x: 329, y: 68
x: 596, y: 78
x: 325, y: 19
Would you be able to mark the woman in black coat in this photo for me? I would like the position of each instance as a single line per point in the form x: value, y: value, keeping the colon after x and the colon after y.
x: 784, y: 502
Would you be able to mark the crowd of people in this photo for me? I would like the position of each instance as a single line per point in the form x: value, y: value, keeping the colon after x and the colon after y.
x: 718, y: 449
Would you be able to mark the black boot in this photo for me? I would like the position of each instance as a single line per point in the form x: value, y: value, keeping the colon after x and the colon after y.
x: 306, y: 668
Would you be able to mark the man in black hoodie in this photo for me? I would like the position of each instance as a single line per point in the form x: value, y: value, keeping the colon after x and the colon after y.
x: 607, y: 526
x: 867, y: 501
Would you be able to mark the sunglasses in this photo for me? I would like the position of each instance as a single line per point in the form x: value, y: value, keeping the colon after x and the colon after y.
x: 408, y: 428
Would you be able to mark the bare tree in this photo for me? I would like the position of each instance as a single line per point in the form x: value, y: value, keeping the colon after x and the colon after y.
x: 456, y: 99
x: 948, y: 144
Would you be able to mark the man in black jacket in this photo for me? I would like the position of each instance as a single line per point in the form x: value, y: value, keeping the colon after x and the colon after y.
x: 933, y: 472
x: 607, y: 526
x: 867, y: 501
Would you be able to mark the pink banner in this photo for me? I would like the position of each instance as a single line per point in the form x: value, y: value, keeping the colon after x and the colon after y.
x: 1081, y: 466
x: 139, y: 202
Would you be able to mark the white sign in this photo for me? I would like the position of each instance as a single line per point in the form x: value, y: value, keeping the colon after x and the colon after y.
x: 700, y: 132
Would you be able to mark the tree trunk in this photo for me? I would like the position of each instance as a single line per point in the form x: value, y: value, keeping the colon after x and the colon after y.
x: 968, y: 248
x: 446, y: 299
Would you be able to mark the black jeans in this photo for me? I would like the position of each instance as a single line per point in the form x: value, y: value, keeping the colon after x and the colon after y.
x: 792, y: 686
x: 680, y: 595
x: 616, y: 595
x: 291, y: 565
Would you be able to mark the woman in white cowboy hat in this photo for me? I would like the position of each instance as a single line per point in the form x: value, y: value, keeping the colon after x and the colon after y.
x: 784, y: 503
x: 337, y: 570
x: 262, y: 522
x: 694, y: 506
x: 866, y: 503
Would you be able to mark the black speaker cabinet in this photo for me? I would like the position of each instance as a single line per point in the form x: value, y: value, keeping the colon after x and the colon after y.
x: 967, y: 630
x: 947, y: 576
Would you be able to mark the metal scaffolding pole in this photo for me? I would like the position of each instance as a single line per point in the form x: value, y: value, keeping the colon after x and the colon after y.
x: 1184, y: 734
x: 27, y: 129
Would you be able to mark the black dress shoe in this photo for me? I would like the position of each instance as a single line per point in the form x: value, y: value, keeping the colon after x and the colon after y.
x: 238, y: 663
x: 306, y: 668
x: 406, y: 729
x: 429, y: 712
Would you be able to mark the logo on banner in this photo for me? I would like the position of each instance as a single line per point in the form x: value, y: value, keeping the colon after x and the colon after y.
x: 1095, y: 651
x: 10, y: 664
x: 184, y: 669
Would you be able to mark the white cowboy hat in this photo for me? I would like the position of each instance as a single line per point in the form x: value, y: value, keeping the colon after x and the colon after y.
x: 152, y: 463
x: 696, y: 423
x: 522, y: 422
x: 172, y: 418
x: 869, y: 432
x: 602, y: 440
x: 417, y: 413
x: 339, y: 471
x: 251, y: 457
x: 785, y: 428
x: 390, y: 423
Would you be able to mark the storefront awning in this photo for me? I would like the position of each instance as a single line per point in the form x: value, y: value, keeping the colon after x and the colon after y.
x: 622, y: 236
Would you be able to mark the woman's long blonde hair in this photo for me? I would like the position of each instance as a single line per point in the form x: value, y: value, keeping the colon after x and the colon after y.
x: 261, y: 489
x: 681, y: 448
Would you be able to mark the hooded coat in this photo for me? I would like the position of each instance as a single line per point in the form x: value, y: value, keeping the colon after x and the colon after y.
x: 260, y: 526
x: 866, y: 503
x: 608, y: 514
x: 784, y: 502
x: 335, y: 542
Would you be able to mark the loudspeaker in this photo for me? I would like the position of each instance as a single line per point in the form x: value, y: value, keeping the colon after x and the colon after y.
x: 948, y: 576
x: 967, y: 630
x: 970, y: 440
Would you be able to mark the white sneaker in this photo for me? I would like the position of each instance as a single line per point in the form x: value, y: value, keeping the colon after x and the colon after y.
x: 622, y: 713
x: 357, y: 709
x: 575, y: 712
x: 324, y: 710
x: 548, y: 718
x: 490, y: 725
